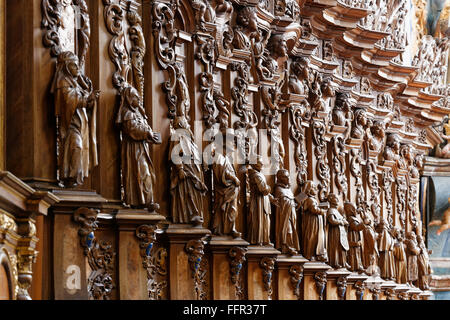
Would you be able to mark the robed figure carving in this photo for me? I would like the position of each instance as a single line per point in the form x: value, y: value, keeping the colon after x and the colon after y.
x: 424, y: 267
x: 355, y: 228
x: 399, y: 256
x: 138, y: 174
x: 337, y: 235
x: 226, y: 193
x: 260, y: 209
x: 76, y: 108
x: 386, y: 250
x: 412, y: 252
x: 187, y: 186
x: 286, y: 234
x: 313, y: 226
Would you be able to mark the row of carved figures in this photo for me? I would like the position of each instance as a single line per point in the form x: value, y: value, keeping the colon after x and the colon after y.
x: 346, y: 238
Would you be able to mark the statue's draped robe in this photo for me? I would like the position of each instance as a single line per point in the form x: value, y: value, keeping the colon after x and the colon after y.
x: 412, y: 251
x: 76, y: 133
x: 424, y: 268
x: 370, y: 247
x: 225, y: 194
x: 337, y: 239
x: 386, y: 247
x: 313, y: 230
x: 260, y: 210
x: 400, y: 261
x: 286, y: 219
x: 355, y: 226
x: 138, y: 175
x: 187, y: 194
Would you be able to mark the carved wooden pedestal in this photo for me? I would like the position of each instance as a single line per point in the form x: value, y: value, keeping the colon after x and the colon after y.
x: 228, y: 261
x: 260, y: 272
x: 337, y: 284
x: 314, y: 280
x: 137, y: 234
x: 401, y: 292
x: 290, y: 277
x: 426, y: 295
x: 356, y: 289
x: 71, y: 269
x: 387, y: 289
x: 185, y: 269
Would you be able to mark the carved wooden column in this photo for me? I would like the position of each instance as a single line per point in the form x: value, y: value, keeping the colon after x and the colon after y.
x: 186, y: 271
x: 73, y: 239
x: 387, y: 288
x: 261, y: 272
x: 337, y: 284
x: 290, y: 277
x: 356, y: 288
x: 20, y: 205
x: 227, y: 267
x: 137, y: 236
x: 314, y: 280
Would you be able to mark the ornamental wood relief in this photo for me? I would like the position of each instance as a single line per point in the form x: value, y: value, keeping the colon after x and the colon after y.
x: 292, y: 129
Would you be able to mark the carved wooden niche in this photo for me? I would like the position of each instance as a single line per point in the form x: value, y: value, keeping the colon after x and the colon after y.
x: 67, y: 34
x: 127, y: 50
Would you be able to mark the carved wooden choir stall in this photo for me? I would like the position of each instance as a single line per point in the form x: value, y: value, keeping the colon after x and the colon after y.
x: 223, y: 149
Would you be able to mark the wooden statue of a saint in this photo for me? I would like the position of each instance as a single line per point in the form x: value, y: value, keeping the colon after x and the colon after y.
x: 75, y: 108
x: 226, y: 193
x: 286, y: 234
x: 313, y: 226
x: 187, y: 185
x: 260, y: 209
x: 138, y: 174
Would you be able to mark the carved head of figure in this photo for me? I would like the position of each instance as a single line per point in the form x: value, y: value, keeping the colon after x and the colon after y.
x: 283, y: 177
x: 393, y: 143
x: 69, y: 64
x: 407, y: 153
x: 418, y: 161
x: 361, y: 117
x: 259, y: 164
x: 87, y: 218
x: 344, y: 101
x: 350, y: 209
x: 299, y: 68
x: 246, y: 18
x: 327, y: 87
x: 310, y: 188
x: 277, y: 46
x: 411, y: 236
x: 333, y: 200
x: 132, y: 97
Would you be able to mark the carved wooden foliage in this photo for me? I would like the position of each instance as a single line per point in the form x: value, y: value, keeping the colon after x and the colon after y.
x: 237, y: 259
x: 153, y: 260
x: 194, y: 249
x: 268, y: 265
